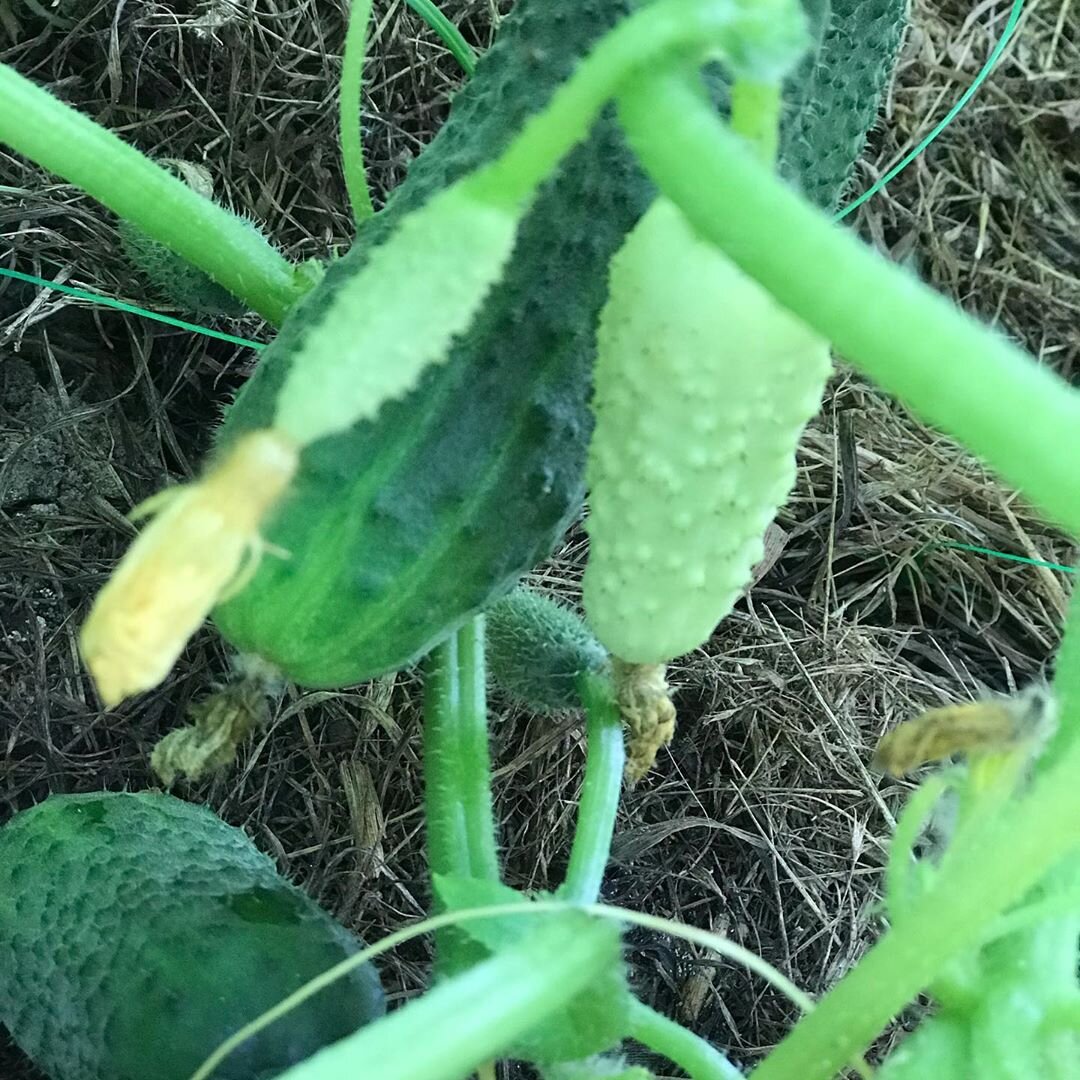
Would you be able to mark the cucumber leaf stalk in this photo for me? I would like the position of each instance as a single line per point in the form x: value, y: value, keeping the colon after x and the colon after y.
x: 62, y: 140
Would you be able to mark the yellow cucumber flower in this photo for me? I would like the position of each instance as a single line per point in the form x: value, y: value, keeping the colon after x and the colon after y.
x: 203, y: 544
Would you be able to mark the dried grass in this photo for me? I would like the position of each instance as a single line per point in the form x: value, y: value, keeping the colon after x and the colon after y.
x: 762, y: 820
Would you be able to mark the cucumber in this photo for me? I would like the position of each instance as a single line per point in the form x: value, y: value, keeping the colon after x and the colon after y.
x: 401, y: 528
x: 538, y: 649
x: 699, y: 409
x: 137, y: 932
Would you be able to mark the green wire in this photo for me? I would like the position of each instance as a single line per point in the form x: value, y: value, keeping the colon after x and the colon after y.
x: 119, y: 305
x: 1011, y: 558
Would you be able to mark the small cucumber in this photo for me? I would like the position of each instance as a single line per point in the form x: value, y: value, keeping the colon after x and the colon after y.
x: 537, y: 650
x: 137, y: 932
x: 703, y: 386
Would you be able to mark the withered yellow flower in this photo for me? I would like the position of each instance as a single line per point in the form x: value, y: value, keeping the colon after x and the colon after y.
x: 203, y: 543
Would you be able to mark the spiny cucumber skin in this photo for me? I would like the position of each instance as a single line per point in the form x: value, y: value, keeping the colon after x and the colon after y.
x: 703, y: 386
x: 842, y: 96
x: 537, y: 649
x: 401, y: 528
x: 138, y: 931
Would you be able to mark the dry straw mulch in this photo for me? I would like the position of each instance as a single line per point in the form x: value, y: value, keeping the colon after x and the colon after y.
x: 763, y: 820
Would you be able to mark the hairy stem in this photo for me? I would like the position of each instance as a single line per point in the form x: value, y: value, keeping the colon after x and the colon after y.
x: 352, y: 150
x: 699, y: 1059
x: 947, y: 367
x: 457, y: 774
x: 605, y: 758
x: 71, y: 145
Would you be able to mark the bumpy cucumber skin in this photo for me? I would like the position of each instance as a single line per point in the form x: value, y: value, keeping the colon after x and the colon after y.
x: 537, y: 649
x: 138, y: 931
x: 401, y: 528
x: 191, y: 289
x: 841, y: 95
x: 699, y: 407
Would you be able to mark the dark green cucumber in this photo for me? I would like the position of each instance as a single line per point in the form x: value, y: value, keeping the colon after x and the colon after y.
x: 403, y: 527
x: 137, y: 932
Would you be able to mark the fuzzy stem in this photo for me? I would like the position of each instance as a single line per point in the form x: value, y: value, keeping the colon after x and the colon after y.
x: 71, y: 145
x: 474, y: 760
x: 475, y: 1016
x: 352, y: 149
x: 697, y: 1058
x: 605, y: 758
x: 950, y: 369
x: 457, y: 774
x: 457, y: 769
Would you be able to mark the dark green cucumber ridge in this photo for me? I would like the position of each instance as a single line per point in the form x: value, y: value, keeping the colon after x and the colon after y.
x: 137, y: 932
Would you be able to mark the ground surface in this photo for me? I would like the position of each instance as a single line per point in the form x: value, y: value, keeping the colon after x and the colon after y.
x: 763, y: 820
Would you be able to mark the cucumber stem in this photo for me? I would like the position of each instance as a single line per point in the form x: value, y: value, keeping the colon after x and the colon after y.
x: 755, y: 115
x: 448, y: 32
x: 600, y: 790
x: 951, y: 370
x: 65, y: 142
x: 352, y: 149
x: 457, y: 769
x: 700, y: 1060
x: 473, y: 1017
x: 760, y: 41
x: 1066, y: 687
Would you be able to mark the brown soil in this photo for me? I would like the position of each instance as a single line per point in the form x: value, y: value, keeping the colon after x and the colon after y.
x: 763, y: 820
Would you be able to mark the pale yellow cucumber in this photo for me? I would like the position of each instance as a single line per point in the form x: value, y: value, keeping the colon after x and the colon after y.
x: 703, y: 387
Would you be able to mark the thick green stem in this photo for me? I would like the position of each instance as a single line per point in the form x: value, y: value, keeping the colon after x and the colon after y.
x: 71, y: 145
x: 457, y: 767
x: 457, y: 775
x: 1001, y: 860
x: 475, y: 1016
x: 352, y: 150
x: 760, y: 41
x: 604, y: 762
x: 1066, y: 687
x: 950, y: 369
x: 697, y: 1058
